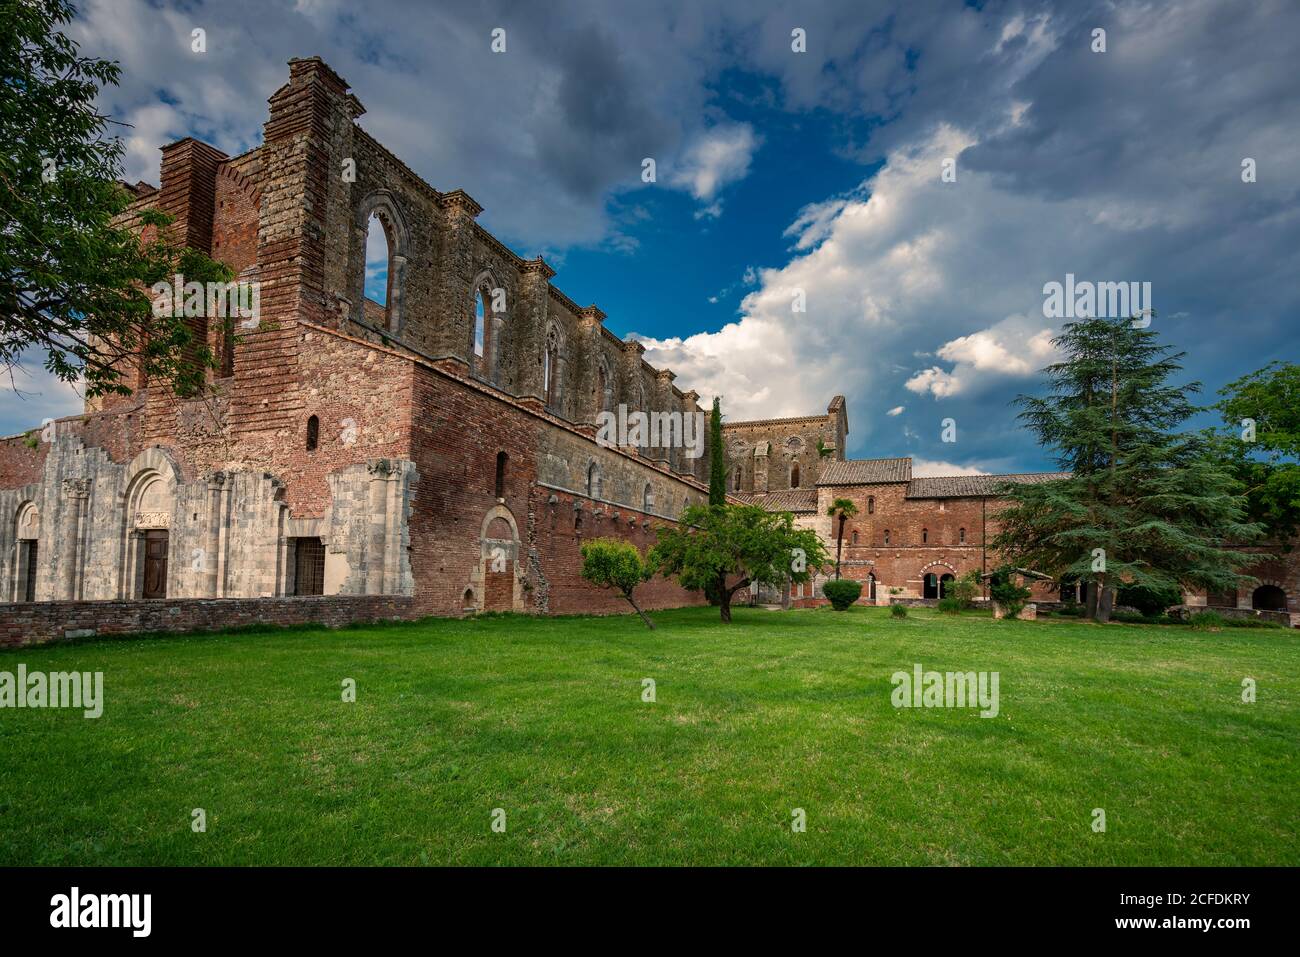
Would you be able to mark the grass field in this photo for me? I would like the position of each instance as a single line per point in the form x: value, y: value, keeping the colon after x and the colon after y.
x: 543, y: 718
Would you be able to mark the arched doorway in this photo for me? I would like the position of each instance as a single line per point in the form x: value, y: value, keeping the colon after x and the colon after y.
x: 931, y: 588
x: 871, y: 586
x: 1268, y: 598
x: 28, y: 533
x: 945, y: 581
x: 496, y: 583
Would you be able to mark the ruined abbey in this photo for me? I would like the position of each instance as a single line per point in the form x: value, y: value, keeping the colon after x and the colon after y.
x: 434, y: 454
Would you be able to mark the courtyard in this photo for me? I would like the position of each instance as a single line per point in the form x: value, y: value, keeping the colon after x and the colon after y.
x: 505, y: 740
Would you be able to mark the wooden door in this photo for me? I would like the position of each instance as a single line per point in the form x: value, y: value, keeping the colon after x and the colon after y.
x: 155, y: 564
x: 29, y: 586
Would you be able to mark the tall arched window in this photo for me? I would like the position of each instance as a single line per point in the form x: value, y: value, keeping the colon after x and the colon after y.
x: 925, y: 536
x: 379, y: 280
x: 593, y: 480
x: 313, y: 433
x: 739, y: 478
x: 886, y: 536
x: 647, y: 498
x: 855, y: 537
x: 551, y: 369
x: 794, y: 475
x: 502, y: 461
x: 480, y: 325
x: 961, y: 536
x: 871, y: 505
x: 379, y: 254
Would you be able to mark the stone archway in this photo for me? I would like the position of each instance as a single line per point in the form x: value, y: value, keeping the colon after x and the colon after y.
x: 26, y: 564
x: 496, y: 583
x: 1268, y: 597
x: 149, y: 504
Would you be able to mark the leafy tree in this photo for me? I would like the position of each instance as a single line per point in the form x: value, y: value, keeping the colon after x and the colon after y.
x: 616, y: 564
x: 74, y: 279
x: 1261, y: 444
x: 842, y: 592
x: 964, y: 589
x: 1150, y: 600
x: 844, y: 510
x: 1144, y: 503
x: 717, y: 460
x: 726, y: 547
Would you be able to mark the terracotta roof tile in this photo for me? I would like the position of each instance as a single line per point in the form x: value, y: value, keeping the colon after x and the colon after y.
x: 974, y: 486
x: 866, y: 472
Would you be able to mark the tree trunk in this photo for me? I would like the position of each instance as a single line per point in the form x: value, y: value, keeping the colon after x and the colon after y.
x: 1105, y: 603
x: 839, y: 543
x: 1090, y: 607
x: 637, y: 608
x: 726, y: 597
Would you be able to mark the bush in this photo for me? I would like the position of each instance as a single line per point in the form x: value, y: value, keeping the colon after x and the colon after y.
x: 1071, y: 610
x: 964, y: 589
x: 1252, y: 623
x: 1004, y: 590
x: 842, y: 592
x: 951, y: 605
x: 898, y: 611
x: 1149, y: 599
x: 1206, y: 620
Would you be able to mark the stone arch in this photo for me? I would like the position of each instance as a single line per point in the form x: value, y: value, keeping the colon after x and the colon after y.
x: 148, y: 504
x: 26, y: 559
x: 604, y: 385
x: 496, y: 584
x: 594, y: 480
x: 1269, y: 596
x: 553, y: 364
x: 485, y: 329
x: 383, y: 205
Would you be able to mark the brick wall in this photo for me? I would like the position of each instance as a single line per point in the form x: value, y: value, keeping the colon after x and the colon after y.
x: 34, y: 623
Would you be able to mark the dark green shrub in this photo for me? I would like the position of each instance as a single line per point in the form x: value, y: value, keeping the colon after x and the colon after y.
x: 1071, y: 610
x: 1206, y: 620
x: 1004, y: 590
x: 1149, y: 599
x: 898, y: 611
x: 842, y: 592
x: 951, y: 605
x: 1252, y: 623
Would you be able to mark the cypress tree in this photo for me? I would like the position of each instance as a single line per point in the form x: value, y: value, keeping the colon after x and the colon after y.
x: 717, y: 461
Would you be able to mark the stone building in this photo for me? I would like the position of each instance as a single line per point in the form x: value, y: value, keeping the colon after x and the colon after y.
x: 435, y: 453
x: 441, y: 445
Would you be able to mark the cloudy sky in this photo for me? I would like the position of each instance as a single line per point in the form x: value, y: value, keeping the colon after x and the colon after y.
x: 819, y: 174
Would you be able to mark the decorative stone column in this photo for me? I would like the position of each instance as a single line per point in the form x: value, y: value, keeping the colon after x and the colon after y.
x: 75, y: 494
x: 212, y: 543
x: 380, y: 469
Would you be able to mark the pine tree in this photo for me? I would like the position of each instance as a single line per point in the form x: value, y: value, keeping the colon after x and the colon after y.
x: 717, y: 461
x: 1144, y: 503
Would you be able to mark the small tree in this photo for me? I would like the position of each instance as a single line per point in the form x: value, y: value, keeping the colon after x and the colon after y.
x: 1008, y: 592
x: 844, y: 509
x: 616, y: 564
x: 964, y: 589
x: 727, y: 547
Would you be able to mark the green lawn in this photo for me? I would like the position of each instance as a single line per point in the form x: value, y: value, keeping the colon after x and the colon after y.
x: 544, y: 718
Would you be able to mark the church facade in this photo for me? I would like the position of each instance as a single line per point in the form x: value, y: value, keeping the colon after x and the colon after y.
x: 441, y: 449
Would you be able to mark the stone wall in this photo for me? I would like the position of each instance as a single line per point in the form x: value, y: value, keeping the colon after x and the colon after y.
x: 762, y: 454
x: 35, y: 623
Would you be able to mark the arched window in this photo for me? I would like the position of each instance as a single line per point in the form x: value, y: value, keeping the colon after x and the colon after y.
x: 379, y: 256
x: 480, y: 325
x: 794, y: 475
x: 313, y: 433
x: 378, y: 280
x: 886, y: 536
x: 739, y: 477
x: 925, y: 535
x: 593, y: 480
x: 647, y: 498
x: 502, y: 461
x: 551, y: 369
x: 961, y: 536
x: 855, y: 537
x: 871, y: 505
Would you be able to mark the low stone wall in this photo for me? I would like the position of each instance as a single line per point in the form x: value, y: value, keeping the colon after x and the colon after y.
x: 34, y: 623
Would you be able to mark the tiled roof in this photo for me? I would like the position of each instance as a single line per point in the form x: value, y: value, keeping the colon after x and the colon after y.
x: 866, y: 472
x: 974, y: 486
x: 783, y: 500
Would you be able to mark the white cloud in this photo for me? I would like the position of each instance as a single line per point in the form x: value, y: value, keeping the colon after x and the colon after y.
x: 715, y: 158
x: 896, y: 410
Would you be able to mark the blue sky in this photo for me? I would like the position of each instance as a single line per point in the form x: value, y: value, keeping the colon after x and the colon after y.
x: 818, y: 171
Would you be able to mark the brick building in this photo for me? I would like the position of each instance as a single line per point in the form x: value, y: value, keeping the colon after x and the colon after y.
x: 439, y: 448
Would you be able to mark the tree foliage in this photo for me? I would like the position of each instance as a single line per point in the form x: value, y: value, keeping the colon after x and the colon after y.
x: 842, y: 592
x: 717, y: 459
x: 1144, y: 503
x: 75, y: 285
x: 1261, y: 444
x: 726, y: 547
x: 616, y: 564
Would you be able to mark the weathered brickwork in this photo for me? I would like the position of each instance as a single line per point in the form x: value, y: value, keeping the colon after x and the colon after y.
x: 365, y: 436
x: 772, y: 455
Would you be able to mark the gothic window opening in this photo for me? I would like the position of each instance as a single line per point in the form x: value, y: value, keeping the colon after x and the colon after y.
x: 925, y: 536
x: 855, y: 537
x: 794, y: 475
x: 500, y: 487
x: 961, y: 536
x: 886, y: 536
x: 379, y: 255
x: 313, y: 433
x: 551, y: 369
x: 593, y: 481
x: 480, y: 326
x: 647, y: 499
x: 738, y: 478
x: 871, y: 505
